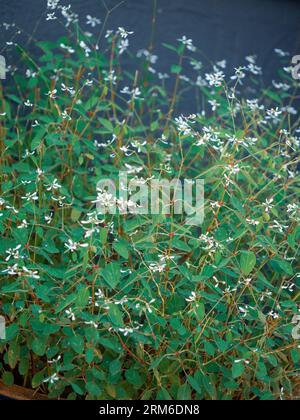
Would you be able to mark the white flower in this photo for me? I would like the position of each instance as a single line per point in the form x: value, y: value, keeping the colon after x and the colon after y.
x: 123, y: 33
x: 273, y: 115
x: 281, y: 86
x: 70, y: 314
x: 281, y: 53
x: 39, y: 173
x: 66, y: 116
x: 252, y: 222
x: 93, y: 21
x: 123, y: 46
x: 111, y: 77
x: 11, y: 270
x: 183, y: 124
x: 67, y: 48
x: 214, y: 104
x: 92, y: 323
x: 278, y: 226
x: 52, y: 94
x: 239, y: 74
x: 48, y: 219
x: 293, y: 211
x: 248, y: 281
x: 157, y: 267
x: 99, y: 294
x: 52, y: 379
x: 51, y: 362
x: 188, y: 43
x: 90, y: 232
x: 52, y: 4
x: 51, y: 16
x: 73, y: 246
x: 126, y: 331
x: 256, y: 70
x: 28, y: 154
x: 105, y: 200
x: 244, y: 311
x: 23, y: 225
x: 28, y: 104
x: 31, y: 197
x: 268, y: 204
x: 13, y: 253
x: 53, y: 186
x: 70, y: 90
x: 86, y: 48
x: 30, y: 273
x: 273, y: 314
x: 215, y: 79
x: 122, y: 301
x: 192, y: 297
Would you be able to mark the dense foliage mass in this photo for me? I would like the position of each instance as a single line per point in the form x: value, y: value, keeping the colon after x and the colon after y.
x: 147, y: 306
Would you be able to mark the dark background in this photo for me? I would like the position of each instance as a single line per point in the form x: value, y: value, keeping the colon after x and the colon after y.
x: 221, y: 29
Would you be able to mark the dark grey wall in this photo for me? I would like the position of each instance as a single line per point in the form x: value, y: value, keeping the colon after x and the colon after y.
x: 228, y: 29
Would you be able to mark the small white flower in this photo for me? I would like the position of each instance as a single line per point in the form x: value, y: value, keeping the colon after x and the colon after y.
x: 126, y: 331
x: 53, y: 186
x: 11, y: 270
x: 248, y: 281
x: 278, y: 226
x: 215, y: 79
x: 31, y: 197
x: 157, y: 268
x: 51, y: 16
x: 70, y: 314
x: 252, y: 222
x: 188, y: 43
x: 66, y: 116
x: 268, y: 204
x: 13, y: 253
x: 28, y: 104
x: 52, y: 379
x: 273, y: 314
x: 192, y: 297
x: 52, y: 94
x: 123, y: 33
x: 73, y: 246
x: 93, y: 21
x: 23, y: 225
x: 30, y: 273
x: 123, y: 46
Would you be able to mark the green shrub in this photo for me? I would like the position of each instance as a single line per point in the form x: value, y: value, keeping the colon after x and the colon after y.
x: 147, y: 306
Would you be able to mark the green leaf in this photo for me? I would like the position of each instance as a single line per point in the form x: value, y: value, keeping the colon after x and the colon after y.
x: 122, y: 249
x: 38, y: 379
x: 83, y: 298
x: 248, y: 262
x: 8, y: 378
x: 39, y: 346
x: 115, y: 367
x: 115, y: 315
x: 112, y: 275
x: 237, y: 369
x: 176, y: 69
x: 107, y: 124
x: 93, y: 389
x: 196, y: 383
x: 200, y: 311
x: 77, y: 344
x: 38, y: 138
x: 184, y: 392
